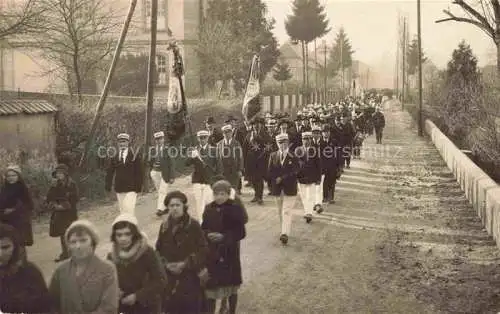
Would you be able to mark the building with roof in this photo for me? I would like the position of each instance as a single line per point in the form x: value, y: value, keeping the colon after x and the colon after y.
x: 28, y: 129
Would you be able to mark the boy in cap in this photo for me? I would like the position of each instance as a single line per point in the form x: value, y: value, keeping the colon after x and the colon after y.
x: 207, y: 165
x: 126, y: 171
x: 162, y: 170
x: 282, y: 171
x: 309, y: 175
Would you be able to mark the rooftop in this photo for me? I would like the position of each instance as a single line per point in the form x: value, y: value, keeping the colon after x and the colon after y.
x: 27, y: 106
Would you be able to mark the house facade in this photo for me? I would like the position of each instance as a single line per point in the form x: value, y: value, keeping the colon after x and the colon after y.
x: 20, y: 70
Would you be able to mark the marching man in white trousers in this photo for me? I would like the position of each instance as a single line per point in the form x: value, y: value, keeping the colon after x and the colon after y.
x: 282, y: 170
x: 309, y: 175
x: 162, y: 170
x: 126, y: 172
x: 207, y: 166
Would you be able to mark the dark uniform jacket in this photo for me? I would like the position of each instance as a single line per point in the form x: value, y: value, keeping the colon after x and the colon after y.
x: 378, y: 120
x: 287, y: 172
x: 207, y: 166
x: 215, y: 136
x: 330, y: 155
x: 310, y: 165
x: 166, y: 165
x: 127, y: 176
x: 231, y: 157
x: 258, y: 149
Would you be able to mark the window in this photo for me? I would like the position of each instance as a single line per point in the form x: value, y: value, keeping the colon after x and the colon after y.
x: 161, y: 7
x: 161, y: 65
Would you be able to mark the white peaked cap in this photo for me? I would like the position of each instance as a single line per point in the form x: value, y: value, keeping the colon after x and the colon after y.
x: 315, y: 128
x: 159, y: 134
x: 306, y: 134
x: 125, y: 217
x: 202, y: 133
x: 227, y: 127
x: 123, y: 136
x: 281, y: 137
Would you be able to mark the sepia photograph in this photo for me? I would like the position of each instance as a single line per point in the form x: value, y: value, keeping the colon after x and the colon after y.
x: 250, y: 156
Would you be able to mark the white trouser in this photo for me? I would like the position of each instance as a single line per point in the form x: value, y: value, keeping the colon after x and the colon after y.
x: 126, y: 202
x: 203, y: 195
x: 308, y: 195
x: 285, y: 205
x: 161, y: 188
x: 319, y: 192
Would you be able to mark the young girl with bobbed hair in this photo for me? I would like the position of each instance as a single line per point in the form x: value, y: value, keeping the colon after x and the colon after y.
x: 183, y: 250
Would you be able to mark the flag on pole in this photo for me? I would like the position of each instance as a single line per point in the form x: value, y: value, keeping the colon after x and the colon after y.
x: 251, y: 101
x: 176, y: 102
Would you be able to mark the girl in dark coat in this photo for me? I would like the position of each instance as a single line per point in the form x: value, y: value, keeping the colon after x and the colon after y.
x: 22, y: 286
x: 183, y: 250
x: 141, y: 276
x: 62, y: 198
x: 224, y: 226
x: 16, y: 205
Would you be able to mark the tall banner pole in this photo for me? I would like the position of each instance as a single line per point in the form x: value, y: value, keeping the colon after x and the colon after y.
x: 150, y: 93
x: 107, y: 84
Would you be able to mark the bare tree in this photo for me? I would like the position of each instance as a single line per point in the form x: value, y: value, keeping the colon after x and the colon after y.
x: 77, y: 39
x: 484, y: 14
x: 20, y: 18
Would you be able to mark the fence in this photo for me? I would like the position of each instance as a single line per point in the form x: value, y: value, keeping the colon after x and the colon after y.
x: 289, y: 102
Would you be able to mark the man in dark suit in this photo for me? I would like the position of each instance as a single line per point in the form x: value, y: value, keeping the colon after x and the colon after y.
x: 282, y: 170
x: 330, y: 163
x: 206, y: 167
x: 127, y: 171
x: 379, y: 124
x: 162, y: 170
x: 230, y: 153
x: 318, y: 191
x: 214, y: 135
x: 309, y: 175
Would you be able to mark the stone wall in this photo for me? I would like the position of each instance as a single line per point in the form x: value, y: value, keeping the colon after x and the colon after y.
x: 481, y: 191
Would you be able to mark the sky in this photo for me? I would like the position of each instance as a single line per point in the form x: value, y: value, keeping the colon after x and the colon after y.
x: 371, y: 26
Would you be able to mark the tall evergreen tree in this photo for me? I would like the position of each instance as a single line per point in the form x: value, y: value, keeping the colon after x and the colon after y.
x: 341, y: 54
x: 245, y: 30
x: 281, y: 73
x: 412, y: 57
x: 306, y: 23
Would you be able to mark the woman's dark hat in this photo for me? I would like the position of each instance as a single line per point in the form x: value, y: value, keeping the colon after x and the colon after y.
x: 62, y: 168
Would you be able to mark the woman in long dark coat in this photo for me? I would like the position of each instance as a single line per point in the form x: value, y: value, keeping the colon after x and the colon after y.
x: 183, y: 250
x: 62, y: 199
x: 22, y: 286
x: 16, y: 205
x: 224, y: 226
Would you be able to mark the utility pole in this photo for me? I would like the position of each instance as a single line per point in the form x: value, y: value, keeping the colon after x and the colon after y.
x: 403, y: 89
x: 325, y: 51
x: 315, y: 65
x: 398, y: 47
x: 150, y: 90
x: 342, y: 62
x: 107, y: 84
x: 419, y: 34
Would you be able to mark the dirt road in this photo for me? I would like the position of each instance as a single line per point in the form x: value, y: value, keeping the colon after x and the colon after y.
x: 400, y: 239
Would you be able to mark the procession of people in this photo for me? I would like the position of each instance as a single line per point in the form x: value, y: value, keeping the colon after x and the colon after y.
x: 195, y: 264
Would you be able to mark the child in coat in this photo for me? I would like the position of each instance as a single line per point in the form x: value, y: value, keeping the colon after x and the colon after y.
x: 224, y: 227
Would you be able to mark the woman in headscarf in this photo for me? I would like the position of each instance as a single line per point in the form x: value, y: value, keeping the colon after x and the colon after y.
x: 141, y: 276
x: 84, y: 283
x: 16, y: 205
x: 62, y: 198
x: 183, y: 249
x: 22, y: 286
